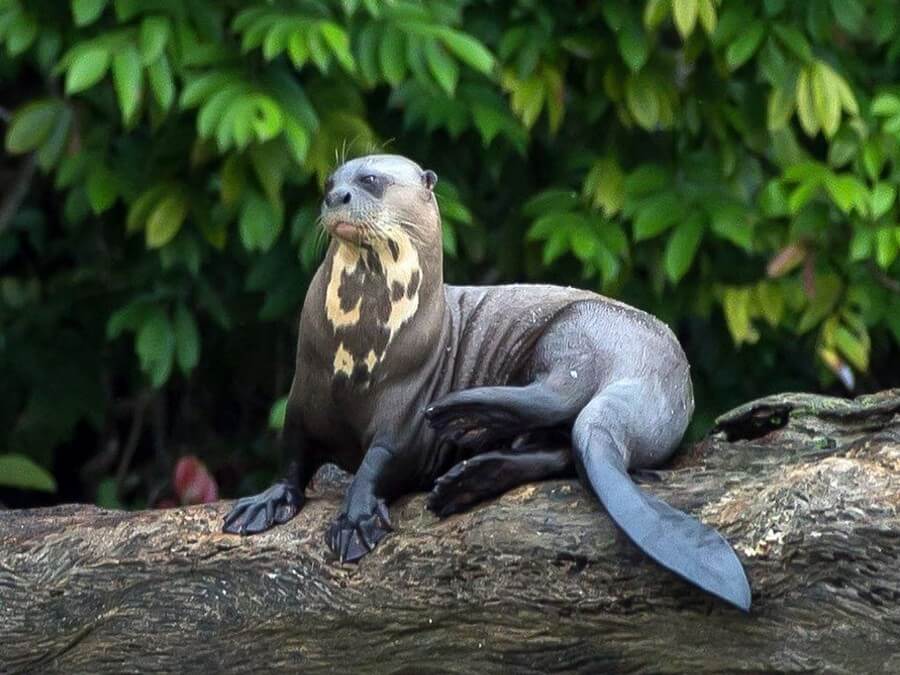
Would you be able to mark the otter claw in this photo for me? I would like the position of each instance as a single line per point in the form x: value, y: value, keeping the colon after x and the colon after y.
x: 350, y: 541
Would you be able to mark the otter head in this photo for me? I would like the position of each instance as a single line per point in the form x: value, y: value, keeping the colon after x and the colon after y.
x: 384, y: 263
x: 378, y: 198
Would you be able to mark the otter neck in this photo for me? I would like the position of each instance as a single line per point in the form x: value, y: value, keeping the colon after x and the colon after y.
x: 382, y: 302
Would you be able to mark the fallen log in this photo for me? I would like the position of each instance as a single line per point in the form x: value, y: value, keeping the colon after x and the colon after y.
x: 807, y: 488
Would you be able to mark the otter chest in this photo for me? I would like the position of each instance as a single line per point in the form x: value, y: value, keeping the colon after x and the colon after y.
x: 371, y: 294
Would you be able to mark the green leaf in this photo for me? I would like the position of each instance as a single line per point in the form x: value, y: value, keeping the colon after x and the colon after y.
x: 232, y: 179
x: 87, y: 12
x: 886, y: 105
x: 101, y: 188
x: 270, y: 164
x: 707, y: 15
x: 165, y: 220
x: 847, y: 191
x: 605, y: 186
x: 642, y: 100
x: 794, y: 40
x: 550, y: 201
x: 130, y: 317
x: 780, y: 108
x: 886, y: 247
x: 849, y: 14
x: 682, y: 247
x: 861, y: 244
x: 633, y: 46
x: 468, y: 50
x: 127, y: 80
x: 142, y: 206
x: 655, y: 12
x: 367, y: 53
x: 685, y: 14
x: 645, y: 180
x: 584, y: 242
x: 736, y: 304
x: 155, y: 346
x: 854, y: 349
x: 317, y: 52
x: 52, y: 149
x: 806, y: 111
x: 883, y: 195
x: 745, y: 46
x: 826, y: 98
x: 31, y: 125
x: 448, y: 239
x: 844, y: 147
x: 20, y: 472
x: 87, y: 68
x: 259, y: 224
x: 161, y: 82
x: 442, y: 67
x: 773, y: 201
x: 268, y: 119
x: 187, y: 339
x: 770, y: 300
x: 107, y: 495
x: 556, y: 247
x: 729, y: 220
x: 392, y: 56
x: 828, y: 290
x: 277, y: 413
x: 21, y: 30
x: 657, y: 215
x: 339, y: 42
x: 154, y: 34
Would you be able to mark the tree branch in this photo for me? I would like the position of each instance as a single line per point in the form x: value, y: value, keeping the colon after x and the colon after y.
x: 805, y: 487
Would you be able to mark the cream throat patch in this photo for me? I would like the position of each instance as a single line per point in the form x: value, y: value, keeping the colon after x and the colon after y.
x: 372, y: 292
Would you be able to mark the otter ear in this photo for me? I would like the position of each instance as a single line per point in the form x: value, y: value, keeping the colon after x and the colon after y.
x: 429, y: 178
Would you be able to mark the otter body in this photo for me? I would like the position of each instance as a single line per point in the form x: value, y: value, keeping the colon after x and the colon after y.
x: 489, y: 336
x: 467, y: 391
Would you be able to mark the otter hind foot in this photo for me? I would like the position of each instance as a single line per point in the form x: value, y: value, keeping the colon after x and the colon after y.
x: 491, y: 474
x: 258, y: 513
x: 351, y: 538
x: 466, y: 484
x: 472, y: 426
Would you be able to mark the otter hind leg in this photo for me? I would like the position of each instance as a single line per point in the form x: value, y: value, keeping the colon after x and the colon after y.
x: 615, y: 423
x: 534, y: 456
x: 485, y: 418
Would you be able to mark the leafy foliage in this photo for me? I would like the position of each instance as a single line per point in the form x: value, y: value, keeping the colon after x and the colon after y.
x: 730, y: 166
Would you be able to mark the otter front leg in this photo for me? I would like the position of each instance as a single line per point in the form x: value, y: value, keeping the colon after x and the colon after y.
x: 364, y: 520
x: 483, y: 418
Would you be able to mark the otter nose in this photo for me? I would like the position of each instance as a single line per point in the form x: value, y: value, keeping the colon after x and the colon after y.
x: 336, y: 197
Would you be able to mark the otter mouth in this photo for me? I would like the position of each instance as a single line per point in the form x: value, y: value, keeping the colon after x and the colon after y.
x: 344, y: 230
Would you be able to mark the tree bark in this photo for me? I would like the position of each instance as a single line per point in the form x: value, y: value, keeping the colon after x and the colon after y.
x: 807, y: 488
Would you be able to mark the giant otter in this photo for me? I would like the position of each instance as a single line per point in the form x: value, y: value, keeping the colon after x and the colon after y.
x: 469, y: 391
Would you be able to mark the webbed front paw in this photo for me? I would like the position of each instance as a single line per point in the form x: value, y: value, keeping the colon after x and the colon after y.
x: 258, y: 513
x: 350, y: 537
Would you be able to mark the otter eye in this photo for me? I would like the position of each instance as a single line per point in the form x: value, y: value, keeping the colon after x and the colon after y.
x: 329, y: 185
x: 368, y: 179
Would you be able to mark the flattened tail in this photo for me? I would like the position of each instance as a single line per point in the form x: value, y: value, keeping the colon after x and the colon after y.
x: 675, y: 540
